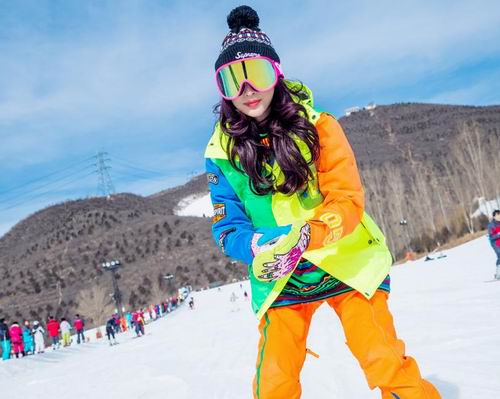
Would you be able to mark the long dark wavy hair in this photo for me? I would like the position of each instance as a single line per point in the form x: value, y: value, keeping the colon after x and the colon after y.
x: 286, y: 120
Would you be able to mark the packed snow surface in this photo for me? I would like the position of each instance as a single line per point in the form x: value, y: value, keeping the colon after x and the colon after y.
x: 195, y: 205
x: 447, y: 311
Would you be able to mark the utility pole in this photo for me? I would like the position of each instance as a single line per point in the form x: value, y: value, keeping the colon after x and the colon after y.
x: 105, y: 184
x: 117, y: 296
x: 169, y: 278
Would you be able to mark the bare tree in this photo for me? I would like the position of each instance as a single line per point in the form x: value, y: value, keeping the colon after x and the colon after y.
x: 461, y: 191
x: 493, y: 169
x: 425, y: 197
x: 95, y: 302
x: 157, y: 293
x: 472, y: 159
x: 399, y: 202
x: 375, y: 200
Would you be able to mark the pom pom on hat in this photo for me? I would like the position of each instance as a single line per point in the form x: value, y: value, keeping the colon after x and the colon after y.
x: 243, y: 17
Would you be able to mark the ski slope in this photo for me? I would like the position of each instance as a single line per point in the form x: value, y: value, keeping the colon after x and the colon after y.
x: 195, y: 205
x: 446, y: 312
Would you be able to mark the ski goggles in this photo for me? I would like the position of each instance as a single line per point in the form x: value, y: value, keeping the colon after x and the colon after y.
x: 259, y: 72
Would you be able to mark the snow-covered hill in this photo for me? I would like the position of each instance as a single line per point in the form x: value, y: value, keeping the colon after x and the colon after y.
x: 195, y: 205
x: 446, y: 310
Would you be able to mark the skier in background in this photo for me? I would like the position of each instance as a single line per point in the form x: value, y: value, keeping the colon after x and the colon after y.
x: 234, y: 302
x: 29, y: 346
x: 16, y: 337
x: 123, y: 324
x: 191, y: 303
x: 38, y: 335
x: 494, y: 236
x: 65, y: 332
x: 78, y: 325
x: 53, y: 327
x: 128, y: 318
x: 5, y: 339
x: 139, y: 323
x: 110, y: 331
x: 288, y: 200
x: 116, y: 317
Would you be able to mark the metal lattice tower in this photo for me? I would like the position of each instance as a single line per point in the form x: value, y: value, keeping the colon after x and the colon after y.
x: 105, y: 184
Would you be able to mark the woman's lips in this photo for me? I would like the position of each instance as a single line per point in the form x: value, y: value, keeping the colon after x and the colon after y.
x: 253, y: 103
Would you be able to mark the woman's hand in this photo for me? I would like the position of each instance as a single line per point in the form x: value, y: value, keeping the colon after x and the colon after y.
x: 279, y: 256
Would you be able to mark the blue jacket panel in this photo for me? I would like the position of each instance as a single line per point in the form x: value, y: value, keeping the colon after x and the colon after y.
x: 231, y: 227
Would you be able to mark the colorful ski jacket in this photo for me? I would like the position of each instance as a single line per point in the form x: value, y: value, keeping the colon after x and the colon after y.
x: 53, y: 328
x: 16, y: 334
x: 27, y: 337
x: 494, y: 233
x: 345, y: 242
x: 78, y: 324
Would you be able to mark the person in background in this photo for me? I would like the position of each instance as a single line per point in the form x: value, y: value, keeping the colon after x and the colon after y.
x: 234, y: 299
x: 5, y: 339
x: 38, y: 335
x: 16, y: 337
x: 116, y: 318
x: 53, y: 327
x: 494, y: 236
x: 128, y: 318
x: 123, y: 323
x: 139, y: 323
x: 29, y: 346
x: 78, y: 325
x: 110, y: 331
x: 65, y: 332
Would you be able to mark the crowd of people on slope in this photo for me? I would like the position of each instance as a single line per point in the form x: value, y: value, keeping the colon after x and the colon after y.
x: 19, y: 340
x: 29, y: 338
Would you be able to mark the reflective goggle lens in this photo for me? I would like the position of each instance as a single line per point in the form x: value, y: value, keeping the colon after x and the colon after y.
x: 259, y: 72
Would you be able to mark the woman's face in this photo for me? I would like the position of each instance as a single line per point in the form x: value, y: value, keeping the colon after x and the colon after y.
x: 254, y: 103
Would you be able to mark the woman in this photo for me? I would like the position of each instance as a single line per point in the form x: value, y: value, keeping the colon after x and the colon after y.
x: 288, y: 202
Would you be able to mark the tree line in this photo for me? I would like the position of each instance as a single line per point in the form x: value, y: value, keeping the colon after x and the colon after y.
x: 425, y: 204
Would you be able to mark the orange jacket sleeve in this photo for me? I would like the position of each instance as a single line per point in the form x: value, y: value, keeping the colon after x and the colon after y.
x: 340, y: 184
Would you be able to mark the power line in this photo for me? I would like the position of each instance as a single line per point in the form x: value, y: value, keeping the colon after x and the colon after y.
x: 46, y: 176
x: 16, y: 197
x: 133, y: 166
x: 29, y: 199
x: 128, y: 175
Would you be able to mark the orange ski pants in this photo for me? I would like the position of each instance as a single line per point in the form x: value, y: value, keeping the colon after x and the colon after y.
x: 370, y: 335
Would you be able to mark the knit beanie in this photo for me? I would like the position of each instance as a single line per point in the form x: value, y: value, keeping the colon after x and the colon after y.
x: 245, y: 38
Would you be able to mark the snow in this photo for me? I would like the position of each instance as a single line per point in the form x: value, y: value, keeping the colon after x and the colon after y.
x: 445, y: 310
x: 195, y: 205
x: 486, y: 207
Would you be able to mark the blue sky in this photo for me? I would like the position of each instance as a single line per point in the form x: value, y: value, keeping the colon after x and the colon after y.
x: 135, y: 79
